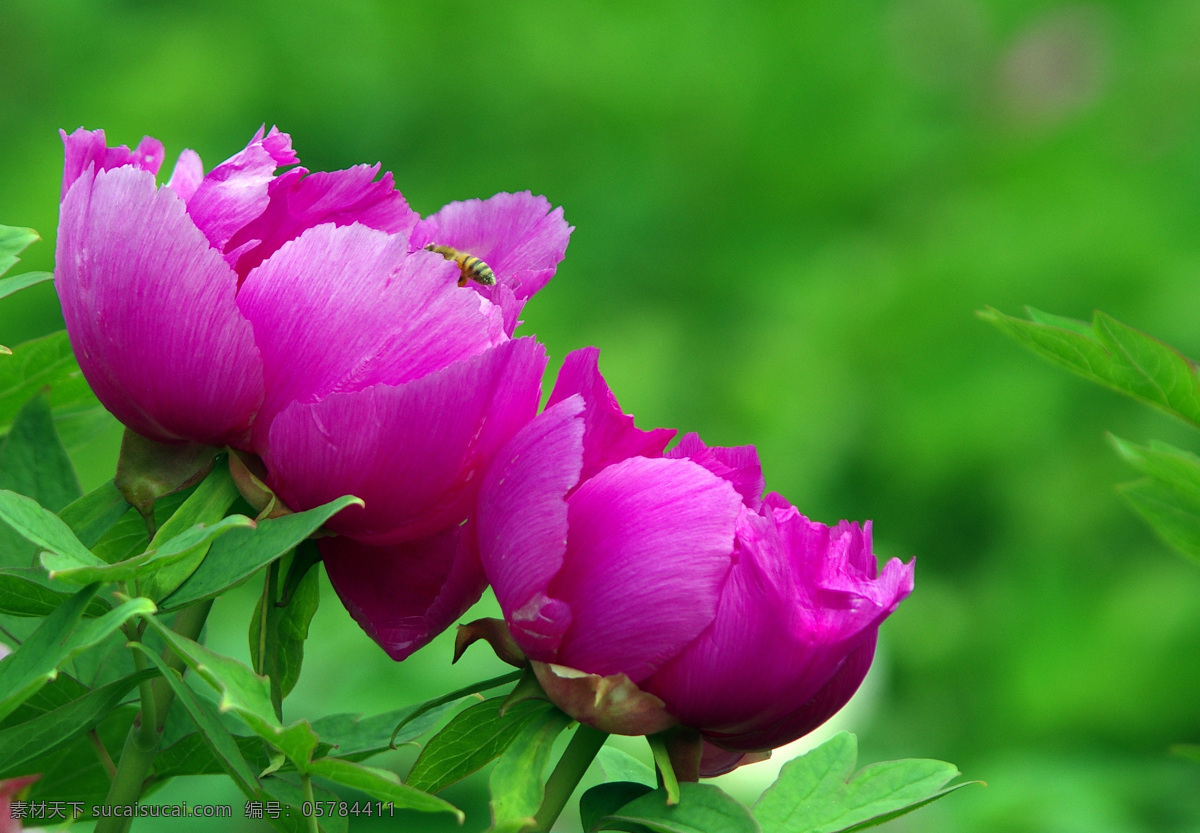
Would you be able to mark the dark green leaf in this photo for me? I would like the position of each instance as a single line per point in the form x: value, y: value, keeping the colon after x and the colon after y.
x: 45, y: 733
x: 243, y: 552
x: 34, y: 463
x: 1112, y: 354
x: 92, y: 515
x: 820, y: 792
x: 69, y: 568
x: 13, y: 241
x: 381, y: 785
x: 518, y: 781
x: 245, y: 694
x: 18, y: 282
x: 194, y: 755
x: 702, y: 808
x: 605, y: 799
x: 59, y: 692
x: 414, y: 713
x: 291, y: 630
x: 221, y: 742
x: 291, y: 817
x: 128, y: 536
x: 28, y: 592
x: 148, y: 470
x: 36, y: 661
x: 34, y: 365
x: 470, y: 741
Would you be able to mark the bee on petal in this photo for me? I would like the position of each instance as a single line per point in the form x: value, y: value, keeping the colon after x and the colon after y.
x: 471, y: 266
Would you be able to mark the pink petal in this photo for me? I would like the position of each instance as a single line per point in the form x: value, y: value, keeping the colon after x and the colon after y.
x: 404, y: 595
x: 522, y: 519
x: 739, y: 465
x: 414, y: 452
x: 188, y: 174
x: 299, y: 201
x: 650, y: 547
x: 235, y: 192
x: 518, y: 235
x: 341, y: 309
x: 150, y: 309
x: 610, y: 435
x: 87, y: 148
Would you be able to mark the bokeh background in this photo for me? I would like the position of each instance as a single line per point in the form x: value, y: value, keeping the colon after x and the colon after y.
x: 786, y: 215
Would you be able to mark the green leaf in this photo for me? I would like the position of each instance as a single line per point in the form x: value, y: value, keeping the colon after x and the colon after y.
x: 207, y: 504
x: 94, y: 514
x: 194, y: 754
x: 470, y: 741
x: 13, y: 241
x: 381, y: 785
x: 25, y: 591
x: 619, y: 765
x: 291, y: 630
x: 18, y: 282
x: 128, y: 536
x: 518, y: 781
x: 1112, y: 354
x: 71, y: 569
x: 241, y: 553
x: 605, y: 799
x: 34, y: 463
x: 355, y: 738
x: 245, y: 694
x: 223, y: 746
x: 34, y: 365
x: 412, y: 714
x: 702, y: 808
x: 819, y: 792
x: 45, y: 733
x: 59, y: 692
x: 292, y: 799
x: 1169, y: 498
x: 42, y: 527
x: 57, y: 639
x: 148, y: 470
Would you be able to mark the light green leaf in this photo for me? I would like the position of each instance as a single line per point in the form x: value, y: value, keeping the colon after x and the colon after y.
x: 381, y: 785
x: 1116, y: 356
x: 34, y: 365
x: 50, y: 730
x: 128, y: 536
x: 1169, y: 498
x: 702, y: 808
x: 57, y: 639
x: 18, y: 282
x: 619, y: 765
x: 518, y: 781
x: 221, y: 742
x: 355, y: 738
x: 470, y: 741
x: 291, y: 630
x: 245, y: 694
x: 241, y: 553
x: 68, y: 568
x: 13, y: 241
x: 820, y: 792
x: 42, y: 527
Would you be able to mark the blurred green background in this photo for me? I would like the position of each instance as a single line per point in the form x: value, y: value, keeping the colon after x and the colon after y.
x: 786, y: 214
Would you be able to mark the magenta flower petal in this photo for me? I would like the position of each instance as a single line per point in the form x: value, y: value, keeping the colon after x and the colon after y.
x: 235, y: 192
x: 403, y: 595
x: 518, y: 235
x: 299, y: 200
x: 794, y: 608
x: 342, y: 309
x: 522, y: 519
x: 739, y: 465
x: 645, y: 535
x: 413, y: 452
x: 188, y: 174
x: 86, y: 149
x: 610, y: 435
x: 180, y: 363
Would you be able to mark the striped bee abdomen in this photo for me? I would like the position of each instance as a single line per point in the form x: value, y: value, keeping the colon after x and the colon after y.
x: 470, y: 266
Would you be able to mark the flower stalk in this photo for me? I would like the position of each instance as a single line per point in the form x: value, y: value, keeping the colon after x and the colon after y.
x: 567, y: 774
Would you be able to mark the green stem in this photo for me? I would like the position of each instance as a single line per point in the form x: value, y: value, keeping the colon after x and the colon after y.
x: 567, y: 774
x: 306, y: 785
x: 145, y: 735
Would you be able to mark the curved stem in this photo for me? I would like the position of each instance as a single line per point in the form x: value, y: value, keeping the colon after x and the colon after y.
x: 567, y: 773
x: 306, y: 785
x: 145, y: 735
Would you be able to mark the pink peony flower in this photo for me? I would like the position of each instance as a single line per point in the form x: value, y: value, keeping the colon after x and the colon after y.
x: 751, y: 623
x: 300, y: 316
